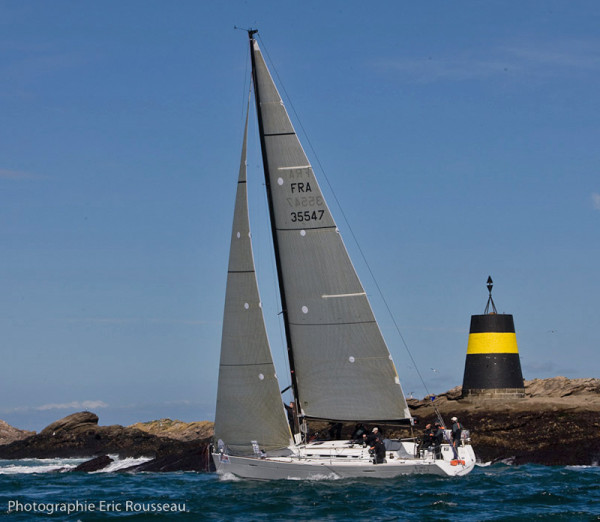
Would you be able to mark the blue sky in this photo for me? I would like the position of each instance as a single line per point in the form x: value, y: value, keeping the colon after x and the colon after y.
x: 460, y: 138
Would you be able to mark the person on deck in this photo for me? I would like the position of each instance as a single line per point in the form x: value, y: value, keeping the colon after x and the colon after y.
x: 335, y: 430
x: 438, y: 436
x: 290, y: 414
x: 359, y: 431
x: 375, y: 443
x: 428, y: 437
x: 456, y: 432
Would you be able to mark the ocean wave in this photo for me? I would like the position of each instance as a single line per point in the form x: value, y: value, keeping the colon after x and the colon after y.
x: 594, y: 467
x: 28, y: 466
x: 119, y: 464
x: 229, y: 477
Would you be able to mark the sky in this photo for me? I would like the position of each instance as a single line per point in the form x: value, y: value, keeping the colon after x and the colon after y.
x: 459, y: 138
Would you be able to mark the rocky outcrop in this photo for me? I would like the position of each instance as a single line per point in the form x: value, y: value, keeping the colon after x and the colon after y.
x: 557, y: 423
x: 79, y: 435
x: 174, y: 429
x: 9, y: 434
x: 73, y: 424
x: 95, y: 464
x: 562, y: 387
x: 195, y: 457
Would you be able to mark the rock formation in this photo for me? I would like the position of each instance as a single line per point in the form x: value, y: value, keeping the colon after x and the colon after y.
x: 558, y: 422
x: 95, y: 464
x: 9, y: 434
x: 73, y: 424
x: 79, y: 435
x: 194, y: 457
x: 174, y: 429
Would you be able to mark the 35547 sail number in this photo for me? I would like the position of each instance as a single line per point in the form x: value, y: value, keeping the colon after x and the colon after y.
x: 307, y: 215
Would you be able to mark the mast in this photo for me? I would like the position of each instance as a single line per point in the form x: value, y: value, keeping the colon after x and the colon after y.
x: 288, y: 338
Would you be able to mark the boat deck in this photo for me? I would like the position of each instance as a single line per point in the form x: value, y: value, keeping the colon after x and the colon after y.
x: 342, y: 459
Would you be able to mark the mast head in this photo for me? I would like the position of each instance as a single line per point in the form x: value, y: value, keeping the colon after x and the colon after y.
x: 251, y: 33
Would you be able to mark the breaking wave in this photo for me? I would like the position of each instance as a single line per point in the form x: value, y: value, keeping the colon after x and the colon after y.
x: 30, y: 466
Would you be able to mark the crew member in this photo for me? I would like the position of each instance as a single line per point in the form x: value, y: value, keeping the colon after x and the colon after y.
x: 438, y: 437
x: 456, y: 432
x: 428, y: 437
x: 376, y: 445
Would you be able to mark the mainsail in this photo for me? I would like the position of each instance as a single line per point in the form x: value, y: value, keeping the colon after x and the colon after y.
x: 342, y: 368
x: 249, y: 406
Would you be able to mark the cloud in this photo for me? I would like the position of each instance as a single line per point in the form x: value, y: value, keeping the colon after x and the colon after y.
x: 576, y: 54
x: 75, y: 405
x: 536, y: 367
x: 596, y: 200
x: 457, y: 69
x: 138, y: 320
x: 14, y: 174
x: 521, y: 59
x: 32, y: 62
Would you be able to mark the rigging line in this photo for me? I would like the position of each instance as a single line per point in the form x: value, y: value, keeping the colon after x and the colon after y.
x: 247, y: 81
x: 354, y: 238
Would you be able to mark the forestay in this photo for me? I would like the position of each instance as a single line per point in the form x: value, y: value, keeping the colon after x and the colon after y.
x: 249, y: 406
x: 343, y: 367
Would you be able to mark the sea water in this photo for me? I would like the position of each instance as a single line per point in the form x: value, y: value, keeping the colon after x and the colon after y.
x: 46, y: 490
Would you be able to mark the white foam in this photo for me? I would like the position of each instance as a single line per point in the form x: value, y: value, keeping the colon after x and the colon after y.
x: 28, y: 466
x: 319, y: 476
x: 593, y: 466
x: 229, y: 477
x: 330, y: 476
x: 508, y: 461
x: 119, y: 464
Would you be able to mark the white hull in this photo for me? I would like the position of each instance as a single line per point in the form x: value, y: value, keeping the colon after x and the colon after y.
x: 339, y: 460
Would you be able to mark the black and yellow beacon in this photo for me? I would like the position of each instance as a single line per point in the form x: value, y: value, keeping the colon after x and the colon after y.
x: 493, y: 367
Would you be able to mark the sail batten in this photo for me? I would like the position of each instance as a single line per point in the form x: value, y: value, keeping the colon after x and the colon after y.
x: 333, y: 324
x: 299, y: 167
x: 341, y: 364
x: 247, y: 365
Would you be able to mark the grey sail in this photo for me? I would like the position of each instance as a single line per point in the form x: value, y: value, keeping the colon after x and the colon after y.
x: 249, y: 405
x: 343, y: 368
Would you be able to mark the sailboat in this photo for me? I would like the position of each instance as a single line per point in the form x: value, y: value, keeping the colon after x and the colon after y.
x: 341, y: 369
